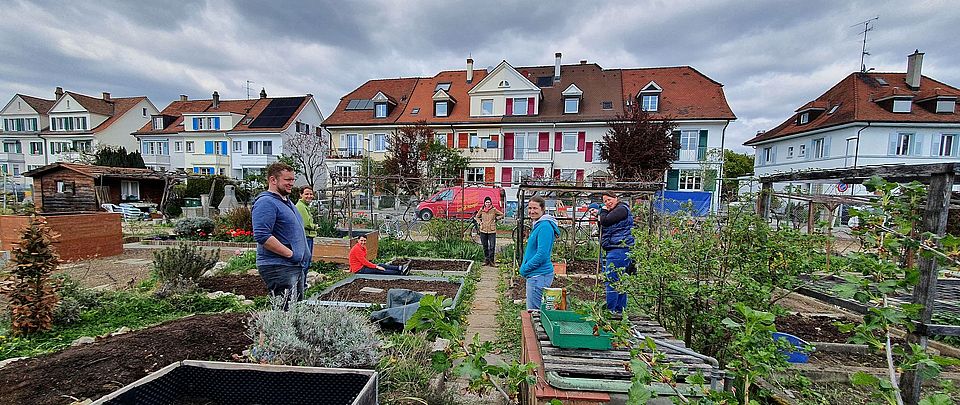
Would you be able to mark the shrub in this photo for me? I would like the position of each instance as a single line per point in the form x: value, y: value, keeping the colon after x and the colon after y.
x: 194, y: 228
x: 178, y: 268
x: 313, y: 335
x: 239, y: 218
x: 74, y: 300
x: 32, y: 295
x: 326, y: 227
x: 445, y: 229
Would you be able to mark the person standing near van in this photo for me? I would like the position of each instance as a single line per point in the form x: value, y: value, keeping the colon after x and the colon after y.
x: 537, y: 268
x: 487, y: 216
x: 616, y: 239
x: 278, y: 230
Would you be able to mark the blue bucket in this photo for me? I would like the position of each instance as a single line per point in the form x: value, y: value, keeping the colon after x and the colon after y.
x: 797, y: 356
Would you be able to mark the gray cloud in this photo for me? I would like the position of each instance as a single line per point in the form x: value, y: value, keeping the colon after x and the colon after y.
x: 771, y: 57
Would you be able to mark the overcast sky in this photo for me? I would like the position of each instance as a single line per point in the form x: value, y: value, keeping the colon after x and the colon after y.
x: 772, y: 57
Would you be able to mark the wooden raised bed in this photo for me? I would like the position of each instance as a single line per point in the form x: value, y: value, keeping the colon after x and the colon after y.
x: 337, y: 250
x: 82, y: 236
x: 351, y: 297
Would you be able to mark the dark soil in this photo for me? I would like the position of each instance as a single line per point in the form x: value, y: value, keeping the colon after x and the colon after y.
x: 582, y: 267
x: 241, y: 284
x: 833, y: 359
x: 580, y: 289
x: 351, y: 292
x: 813, y: 328
x: 99, y: 368
x: 422, y: 264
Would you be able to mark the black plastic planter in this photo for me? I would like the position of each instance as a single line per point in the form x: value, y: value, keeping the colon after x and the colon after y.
x: 211, y: 382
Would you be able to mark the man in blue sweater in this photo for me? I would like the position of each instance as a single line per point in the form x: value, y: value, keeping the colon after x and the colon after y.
x: 537, y: 268
x: 281, y: 241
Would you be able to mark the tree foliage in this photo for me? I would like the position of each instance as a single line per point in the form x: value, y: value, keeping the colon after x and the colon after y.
x: 638, y: 147
x: 29, y: 289
x: 735, y: 165
x: 419, y: 161
x: 118, y: 157
x: 308, y: 152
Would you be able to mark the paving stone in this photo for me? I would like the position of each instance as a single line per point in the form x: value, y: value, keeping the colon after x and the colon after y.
x: 371, y: 290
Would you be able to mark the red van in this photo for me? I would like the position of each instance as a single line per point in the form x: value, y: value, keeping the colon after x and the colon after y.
x: 459, y: 202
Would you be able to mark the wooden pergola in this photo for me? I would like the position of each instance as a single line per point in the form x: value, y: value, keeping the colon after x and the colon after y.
x: 940, y: 178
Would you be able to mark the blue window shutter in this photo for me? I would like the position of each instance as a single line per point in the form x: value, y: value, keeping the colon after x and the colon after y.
x: 143, y: 147
x: 953, y: 145
x: 892, y: 150
x: 196, y: 124
x: 917, y: 144
x: 216, y: 123
x: 196, y: 170
x: 208, y: 147
x: 826, y: 147
x: 934, y: 145
x: 223, y: 148
x: 773, y: 154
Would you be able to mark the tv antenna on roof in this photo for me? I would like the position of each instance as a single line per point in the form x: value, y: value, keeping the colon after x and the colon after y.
x: 863, y: 51
x: 249, y: 82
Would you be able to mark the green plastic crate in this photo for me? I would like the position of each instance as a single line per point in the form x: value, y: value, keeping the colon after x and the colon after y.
x: 569, y: 330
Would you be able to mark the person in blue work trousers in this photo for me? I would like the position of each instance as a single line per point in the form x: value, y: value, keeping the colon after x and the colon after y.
x: 616, y: 239
x: 281, y: 241
x: 537, y: 268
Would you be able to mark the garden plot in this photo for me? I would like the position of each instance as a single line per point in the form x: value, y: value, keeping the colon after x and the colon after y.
x: 366, y: 290
x: 96, y: 369
x: 435, y: 267
x: 947, y: 303
x: 240, y: 284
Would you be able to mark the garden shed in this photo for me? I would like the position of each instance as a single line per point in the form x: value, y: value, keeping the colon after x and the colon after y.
x: 72, y: 187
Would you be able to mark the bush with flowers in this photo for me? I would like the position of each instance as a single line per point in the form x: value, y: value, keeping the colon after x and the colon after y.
x: 194, y: 228
x: 239, y: 235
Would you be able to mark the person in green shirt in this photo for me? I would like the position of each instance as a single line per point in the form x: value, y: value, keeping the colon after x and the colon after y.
x: 309, y: 228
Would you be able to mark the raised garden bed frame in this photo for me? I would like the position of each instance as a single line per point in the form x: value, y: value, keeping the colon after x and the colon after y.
x: 348, y: 280
x: 440, y: 273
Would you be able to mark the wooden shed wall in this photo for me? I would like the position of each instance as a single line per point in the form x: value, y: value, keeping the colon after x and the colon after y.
x: 48, y: 199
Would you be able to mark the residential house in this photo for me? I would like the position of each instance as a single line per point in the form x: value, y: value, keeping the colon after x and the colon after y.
x: 539, y: 121
x: 37, y: 131
x: 227, y: 137
x: 866, y: 119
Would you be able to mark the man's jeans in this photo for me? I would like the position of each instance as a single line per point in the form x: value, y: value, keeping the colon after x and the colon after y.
x: 535, y: 286
x: 388, y: 269
x: 283, y: 279
x: 306, y: 266
x: 615, y: 264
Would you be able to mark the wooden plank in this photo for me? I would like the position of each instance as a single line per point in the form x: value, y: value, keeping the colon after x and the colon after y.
x: 925, y: 292
x: 898, y: 173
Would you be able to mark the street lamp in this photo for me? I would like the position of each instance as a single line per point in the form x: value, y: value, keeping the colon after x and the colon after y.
x: 369, y: 185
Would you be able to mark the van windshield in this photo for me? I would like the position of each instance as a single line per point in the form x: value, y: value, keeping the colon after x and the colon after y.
x: 444, y: 196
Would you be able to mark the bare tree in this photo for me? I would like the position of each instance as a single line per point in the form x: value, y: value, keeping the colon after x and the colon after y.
x: 309, y: 153
x: 638, y: 147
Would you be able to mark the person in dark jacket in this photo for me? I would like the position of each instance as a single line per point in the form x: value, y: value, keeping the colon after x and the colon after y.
x: 616, y: 239
x: 278, y: 230
x: 487, y: 218
x: 537, y: 268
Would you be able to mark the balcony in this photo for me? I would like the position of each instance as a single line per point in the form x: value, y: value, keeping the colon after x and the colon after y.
x: 695, y: 155
x: 11, y: 157
x: 530, y: 155
x: 156, y: 159
x: 478, y: 153
x: 346, y: 153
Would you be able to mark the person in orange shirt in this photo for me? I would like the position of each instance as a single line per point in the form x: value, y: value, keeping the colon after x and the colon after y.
x: 360, y: 265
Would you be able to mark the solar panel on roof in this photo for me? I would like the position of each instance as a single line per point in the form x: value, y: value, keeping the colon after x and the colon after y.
x: 545, y: 81
x: 352, y: 105
x: 277, y: 113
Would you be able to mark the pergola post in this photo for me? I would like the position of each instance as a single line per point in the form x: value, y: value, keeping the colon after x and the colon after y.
x: 934, y: 221
x: 764, y: 200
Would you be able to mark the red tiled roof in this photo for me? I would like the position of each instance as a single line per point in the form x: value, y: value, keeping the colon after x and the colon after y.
x: 400, y: 89
x: 247, y: 108
x: 687, y: 93
x: 42, y: 106
x: 856, y: 97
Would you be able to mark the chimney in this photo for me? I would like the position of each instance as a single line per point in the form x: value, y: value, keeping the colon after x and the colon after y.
x: 216, y: 100
x: 583, y: 61
x: 58, y: 93
x: 914, y: 63
x: 556, y: 68
x: 183, y: 97
x: 469, y: 70
x: 263, y: 92
x: 106, y: 96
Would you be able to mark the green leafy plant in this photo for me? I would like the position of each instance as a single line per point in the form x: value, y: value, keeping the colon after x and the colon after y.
x: 483, y: 376
x: 313, y: 335
x: 178, y: 268
x: 756, y: 353
x: 241, y: 262
x: 74, y: 300
x: 31, y: 293
x: 238, y: 218
x: 432, y: 319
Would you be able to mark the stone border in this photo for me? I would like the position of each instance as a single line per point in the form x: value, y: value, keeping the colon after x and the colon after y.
x: 205, y: 243
x: 348, y: 280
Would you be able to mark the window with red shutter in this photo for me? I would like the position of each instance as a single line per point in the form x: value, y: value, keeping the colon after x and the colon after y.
x: 489, y: 175
x: 543, y: 144
x: 579, y: 177
x: 450, y: 141
x: 558, y: 141
x: 530, y: 103
x: 581, y: 141
x: 506, y: 175
x: 588, y: 153
x: 463, y: 140
x: 507, y: 146
x: 538, y: 172
x: 556, y: 174
x: 509, y: 109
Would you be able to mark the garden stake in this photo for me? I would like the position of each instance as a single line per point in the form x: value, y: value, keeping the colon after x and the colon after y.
x: 596, y: 281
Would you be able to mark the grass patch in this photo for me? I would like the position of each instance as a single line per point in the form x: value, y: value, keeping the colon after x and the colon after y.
x: 508, y: 317
x: 239, y: 264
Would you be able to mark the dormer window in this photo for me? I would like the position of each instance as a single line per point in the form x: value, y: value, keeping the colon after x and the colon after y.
x: 442, y: 86
x: 157, y: 123
x: 380, y: 110
x: 649, y: 102
x: 946, y: 106
x: 381, y: 105
x: 804, y: 118
x: 503, y: 84
x: 440, y: 108
x: 902, y: 105
x: 571, y: 105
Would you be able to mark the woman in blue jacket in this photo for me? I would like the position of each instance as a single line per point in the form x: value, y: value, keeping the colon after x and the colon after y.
x: 537, y: 268
x: 616, y: 239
